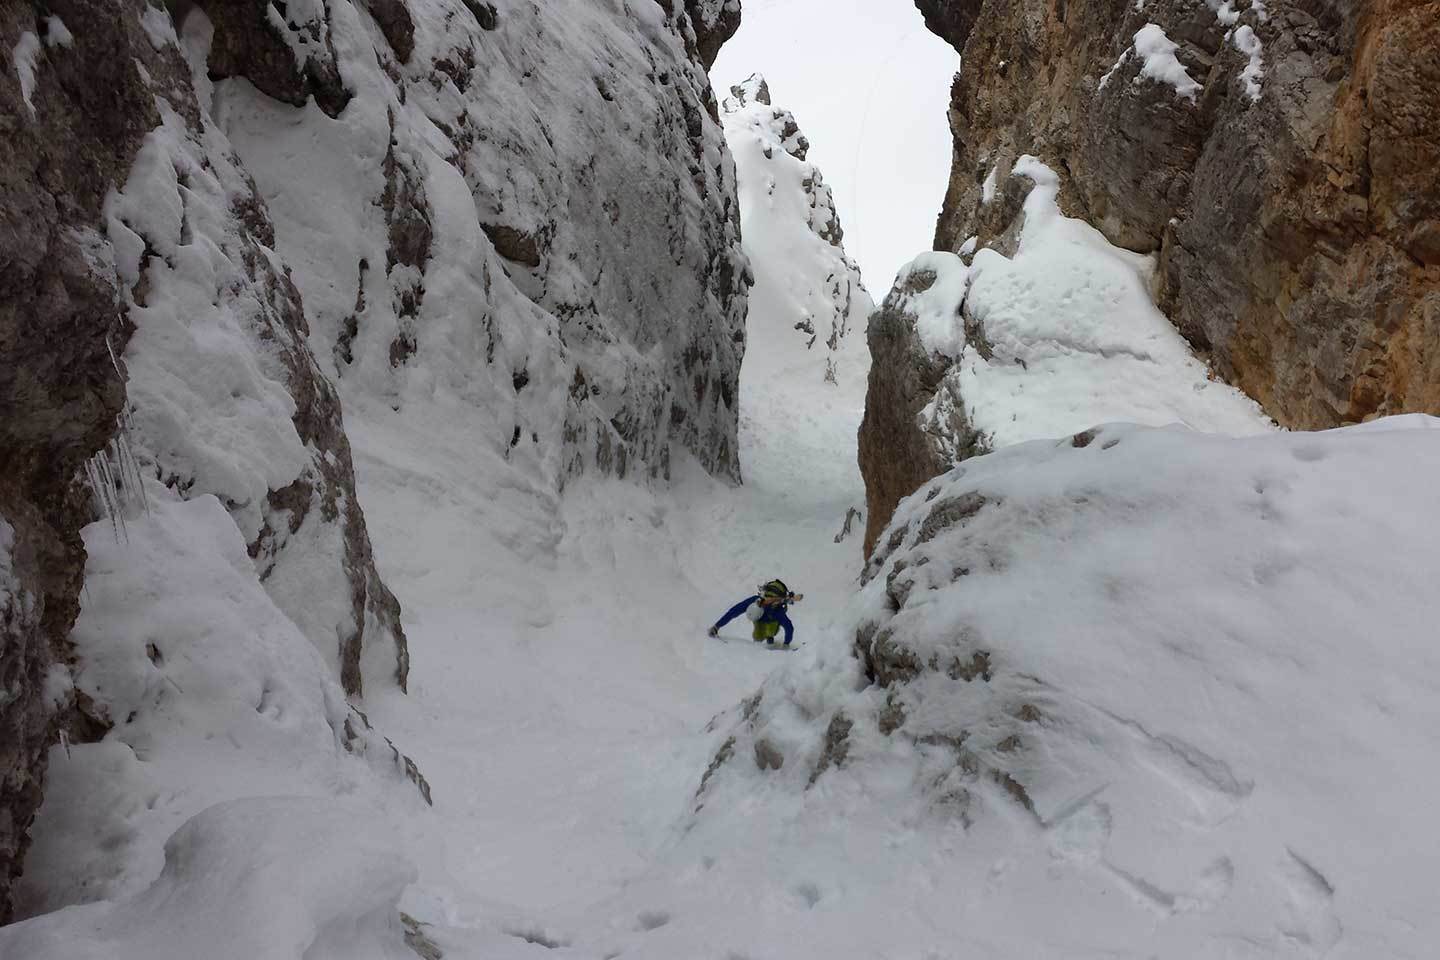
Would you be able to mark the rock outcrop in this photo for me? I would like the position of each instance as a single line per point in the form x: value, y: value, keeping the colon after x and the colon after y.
x: 1069, y: 652
x: 1050, y: 340
x: 1279, y: 159
x: 713, y: 23
x: 915, y: 424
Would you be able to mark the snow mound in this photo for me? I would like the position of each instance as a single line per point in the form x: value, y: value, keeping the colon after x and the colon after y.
x: 1064, y: 335
x: 213, y: 693
x: 260, y: 878
x: 1137, y: 691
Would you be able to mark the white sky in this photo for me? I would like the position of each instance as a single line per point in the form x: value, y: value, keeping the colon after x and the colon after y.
x: 869, y: 86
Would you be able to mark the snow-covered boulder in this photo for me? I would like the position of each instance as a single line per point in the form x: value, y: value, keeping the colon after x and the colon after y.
x: 1138, y: 691
x: 1058, y: 337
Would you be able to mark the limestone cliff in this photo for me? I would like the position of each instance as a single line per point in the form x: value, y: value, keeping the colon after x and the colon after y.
x: 1279, y: 158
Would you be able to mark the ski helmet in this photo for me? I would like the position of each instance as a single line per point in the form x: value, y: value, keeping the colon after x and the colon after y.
x: 775, y: 588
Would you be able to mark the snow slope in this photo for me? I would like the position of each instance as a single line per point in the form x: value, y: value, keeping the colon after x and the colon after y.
x: 1154, y: 694
x: 561, y: 710
x: 561, y: 680
x: 803, y: 279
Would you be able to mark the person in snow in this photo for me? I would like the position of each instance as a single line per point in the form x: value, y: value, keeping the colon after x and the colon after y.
x: 766, y: 610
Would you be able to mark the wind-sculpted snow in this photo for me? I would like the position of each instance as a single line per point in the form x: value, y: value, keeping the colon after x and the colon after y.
x: 1152, y: 691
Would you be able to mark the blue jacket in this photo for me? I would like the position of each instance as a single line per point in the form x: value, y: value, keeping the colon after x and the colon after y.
x: 774, y: 614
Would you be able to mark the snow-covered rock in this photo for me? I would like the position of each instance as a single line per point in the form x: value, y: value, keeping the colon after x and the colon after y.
x: 507, y: 228
x: 212, y: 694
x: 227, y: 399
x: 61, y: 150
x: 1136, y: 692
x: 1280, y: 157
x: 1056, y: 338
x: 528, y: 219
x: 806, y: 289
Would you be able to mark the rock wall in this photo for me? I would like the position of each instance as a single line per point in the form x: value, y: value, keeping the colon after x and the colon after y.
x: 1278, y: 158
x: 215, y: 221
x: 539, y: 189
x: 72, y: 116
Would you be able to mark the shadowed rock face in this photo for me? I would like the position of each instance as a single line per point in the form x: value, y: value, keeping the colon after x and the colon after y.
x: 715, y: 22
x: 899, y: 447
x: 1293, y: 200
x: 68, y: 140
x: 295, y: 62
x: 62, y: 149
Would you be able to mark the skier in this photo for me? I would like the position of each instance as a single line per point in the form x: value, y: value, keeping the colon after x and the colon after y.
x: 767, y: 610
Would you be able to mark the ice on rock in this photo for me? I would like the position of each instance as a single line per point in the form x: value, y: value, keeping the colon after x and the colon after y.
x: 24, y: 55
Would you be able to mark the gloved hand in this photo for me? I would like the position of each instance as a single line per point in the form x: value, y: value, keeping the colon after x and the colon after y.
x: 713, y: 632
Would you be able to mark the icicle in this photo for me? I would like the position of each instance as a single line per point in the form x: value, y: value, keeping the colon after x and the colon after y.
x: 104, y: 505
x: 113, y: 361
x: 130, y: 466
x: 117, y: 516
